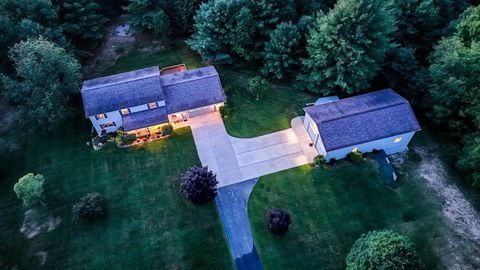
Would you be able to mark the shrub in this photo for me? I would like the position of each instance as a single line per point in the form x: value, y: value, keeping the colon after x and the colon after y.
x: 383, y: 250
x: 278, y: 221
x: 319, y: 161
x: 124, y: 138
x: 120, y: 50
x: 89, y: 207
x: 29, y: 188
x: 167, y: 130
x: 224, y: 111
x: 257, y: 86
x: 199, y: 185
x: 355, y: 156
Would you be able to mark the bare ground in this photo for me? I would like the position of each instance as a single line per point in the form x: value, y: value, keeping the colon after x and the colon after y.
x: 458, y: 245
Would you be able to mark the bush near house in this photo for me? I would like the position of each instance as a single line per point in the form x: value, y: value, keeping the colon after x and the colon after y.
x: 199, y: 185
x: 167, y: 130
x: 383, y: 250
x: 124, y: 138
x: 90, y: 207
x: 224, y: 111
x: 355, y: 156
x: 278, y: 221
x: 319, y: 161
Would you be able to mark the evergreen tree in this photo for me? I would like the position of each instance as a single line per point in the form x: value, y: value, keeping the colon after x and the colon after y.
x: 344, y: 57
x: 267, y: 14
x: 82, y: 23
x: 181, y: 13
x: 282, y: 51
x: 45, y: 77
x: 222, y: 28
x: 148, y: 16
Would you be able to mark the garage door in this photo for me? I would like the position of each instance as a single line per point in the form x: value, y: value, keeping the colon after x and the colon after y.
x: 200, y: 111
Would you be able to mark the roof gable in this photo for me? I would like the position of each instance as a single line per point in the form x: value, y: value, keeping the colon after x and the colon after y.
x: 363, y: 118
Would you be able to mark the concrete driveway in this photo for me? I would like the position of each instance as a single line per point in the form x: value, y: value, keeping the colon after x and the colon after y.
x: 235, y: 160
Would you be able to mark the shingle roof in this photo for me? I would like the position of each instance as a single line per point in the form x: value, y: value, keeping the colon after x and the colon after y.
x: 145, y: 118
x: 123, y: 90
x: 192, y: 89
x: 355, y: 120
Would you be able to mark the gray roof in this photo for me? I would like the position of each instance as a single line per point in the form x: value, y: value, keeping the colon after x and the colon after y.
x: 192, y: 89
x: 123, y: 90
x: 364, y: 118
x: 146, y: 118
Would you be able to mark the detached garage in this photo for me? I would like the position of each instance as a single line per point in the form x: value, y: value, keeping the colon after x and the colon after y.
x: 381, y: 120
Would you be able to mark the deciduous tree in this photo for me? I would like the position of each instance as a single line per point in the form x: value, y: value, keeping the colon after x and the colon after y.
x: 383, y: 250
x: 278, y: 221
x: 199, y: 185
x: 29, y: 188
x: 148, y: 16
x: 46, y: 75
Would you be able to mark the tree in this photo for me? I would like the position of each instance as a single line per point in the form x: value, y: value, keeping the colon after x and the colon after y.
x: 470, y: 159
x: 29, y: 188
x: 23, y: 19
x: 344, y: 57
x: 257, y: 86
x: 82, y: 22
x: 278, y: 221
x: 181, y: 14
x: 282, y: 51
x: 45, y: 77
x: 199, y: 185
x: 148, y: 16
x: 267, y: 14
x: 311, y: 7
x: 223, y: 28
x: 90, y: 207
x: 383, y: 250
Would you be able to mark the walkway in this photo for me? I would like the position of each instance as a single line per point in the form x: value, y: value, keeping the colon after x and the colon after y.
x: 235, y: 160
x: 232, y: 206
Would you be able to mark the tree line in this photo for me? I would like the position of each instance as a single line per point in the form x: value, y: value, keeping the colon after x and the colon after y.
x: 426, y: 49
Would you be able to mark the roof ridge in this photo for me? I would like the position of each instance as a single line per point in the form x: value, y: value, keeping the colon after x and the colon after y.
x: 118, y: 83
x: 188, y: 80
x: 363, y: 112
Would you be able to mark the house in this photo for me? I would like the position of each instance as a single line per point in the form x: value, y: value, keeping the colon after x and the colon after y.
x: 381, y: 120
x: 142, y: 101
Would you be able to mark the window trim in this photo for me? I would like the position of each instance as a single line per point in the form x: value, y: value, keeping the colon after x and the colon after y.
x: 107, y: 125
x: 150, y: 105
x: 101, y: 116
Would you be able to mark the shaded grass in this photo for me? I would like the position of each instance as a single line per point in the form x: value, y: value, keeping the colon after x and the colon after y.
x: 331, y: 208
x: 249, y: 117
x: 148, y: 224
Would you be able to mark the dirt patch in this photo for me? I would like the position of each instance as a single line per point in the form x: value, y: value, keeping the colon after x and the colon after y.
x: 38, y: 221
x: 114, y: 46
x: 458, y: 245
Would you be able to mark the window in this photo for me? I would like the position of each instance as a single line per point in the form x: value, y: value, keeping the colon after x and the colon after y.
x: 125, y: 111
x: 152, y: 105
x: 106, y: 125
x: 397, y: 140
x: 100, y: 116
x: 355, y: 149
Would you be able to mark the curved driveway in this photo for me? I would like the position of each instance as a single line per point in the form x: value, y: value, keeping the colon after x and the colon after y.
x: 235, y: 160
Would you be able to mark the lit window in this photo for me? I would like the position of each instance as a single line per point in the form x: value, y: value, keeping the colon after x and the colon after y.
x: 397, y: 140
x: 152, y: 105
x: 100, y: 116
x: 106, y: 125
x: 125, y: 111
x: 355, y: 149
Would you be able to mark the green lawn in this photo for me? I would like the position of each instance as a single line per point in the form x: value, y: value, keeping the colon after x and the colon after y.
x: 249, y: 117
x: 332, y: 207
x: 148, y: 224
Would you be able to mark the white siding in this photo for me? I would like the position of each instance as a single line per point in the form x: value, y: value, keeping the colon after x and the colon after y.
x: 111, y: 117
x: 308, y: 123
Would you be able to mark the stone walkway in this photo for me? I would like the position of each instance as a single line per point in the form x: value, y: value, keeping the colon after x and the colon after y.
x: 235, y: 160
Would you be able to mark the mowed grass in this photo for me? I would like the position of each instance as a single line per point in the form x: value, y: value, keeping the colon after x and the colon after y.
x: 148, y: 224
x: 331, y: 208
x: 249, y: 117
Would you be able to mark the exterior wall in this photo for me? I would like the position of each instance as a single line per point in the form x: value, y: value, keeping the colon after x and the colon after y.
x: 387, y: 144
x: 114, y: 116
x: 308, y: 123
